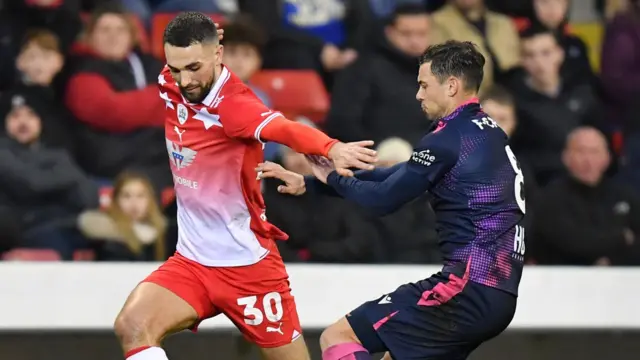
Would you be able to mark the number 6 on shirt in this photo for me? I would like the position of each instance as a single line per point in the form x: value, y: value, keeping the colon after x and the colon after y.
x: 271, y: 308
x: 519, y: 181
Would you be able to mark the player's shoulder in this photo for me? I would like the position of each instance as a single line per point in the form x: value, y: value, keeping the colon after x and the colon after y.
x: 479, y: 124
x: 444, y: 137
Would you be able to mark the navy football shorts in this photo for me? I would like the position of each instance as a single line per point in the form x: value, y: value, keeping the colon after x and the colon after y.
x: 433, y: 319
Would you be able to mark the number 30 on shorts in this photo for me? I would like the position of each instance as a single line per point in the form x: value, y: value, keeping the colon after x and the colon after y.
x: 271, y: 308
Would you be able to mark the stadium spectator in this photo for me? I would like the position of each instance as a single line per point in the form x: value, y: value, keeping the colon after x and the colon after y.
x: 39, y: 63
x: 244, y: 43
x: 18, y: 17
x: 324, y: 35
x: 321, y: 228
x: 40, y: 58
x: 585, y: 218
x: 113, y: 93
x: 554, y: 15
x: 408, y: 235
x: 498, y: 103
x: 548, y: 105
x: 621, y: 69
x: 132, y: 228
x: 144, y: 9
x: 43, y: 185
x: 494, y: 34
x: 375, y: 97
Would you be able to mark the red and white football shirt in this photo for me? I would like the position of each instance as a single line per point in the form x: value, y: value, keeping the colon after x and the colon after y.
x: 214, y: 148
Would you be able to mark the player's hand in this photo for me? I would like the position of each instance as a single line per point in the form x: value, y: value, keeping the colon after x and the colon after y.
x: 352, y: 155
x: 220, y: 31
x: 293, y: 182
x: 603, y: 261
x: 320, y: 166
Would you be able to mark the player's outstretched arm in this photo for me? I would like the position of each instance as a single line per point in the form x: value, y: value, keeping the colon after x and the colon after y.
x: 377, y: 174
x: 411, y: 179
x: 310, y: 141
x: 294, y: 183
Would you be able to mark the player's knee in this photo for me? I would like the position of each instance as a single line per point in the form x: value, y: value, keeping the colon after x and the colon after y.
x: 337, y: 333
x: 130, y: 328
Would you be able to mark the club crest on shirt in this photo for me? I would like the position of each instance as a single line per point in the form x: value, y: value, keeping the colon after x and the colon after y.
x: 180, y: 156
x: 182, y: 113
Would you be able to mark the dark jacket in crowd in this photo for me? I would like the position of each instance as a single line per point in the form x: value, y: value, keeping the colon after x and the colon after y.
x: 375, y: 98
x: 544, y: 123
x: 321, y: 228
x: 42, y: 184
x: 409, y: 235
x: 576, y: 224
x: 117, y: 113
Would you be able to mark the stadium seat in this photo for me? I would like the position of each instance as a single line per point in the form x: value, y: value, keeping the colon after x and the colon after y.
x: 84, y: 255
x: 143, y: 37
x: 295, y: 92
x: 159, y: 23
x: 31, y: 255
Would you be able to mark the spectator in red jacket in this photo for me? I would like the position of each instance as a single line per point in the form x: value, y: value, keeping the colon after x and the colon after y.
x: 113, y: 93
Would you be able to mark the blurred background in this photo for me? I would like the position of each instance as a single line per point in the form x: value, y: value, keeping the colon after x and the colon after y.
x: 85, y: 181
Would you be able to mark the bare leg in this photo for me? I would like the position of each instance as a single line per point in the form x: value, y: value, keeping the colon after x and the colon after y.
x: 339, y: 342
x: 150, y: 314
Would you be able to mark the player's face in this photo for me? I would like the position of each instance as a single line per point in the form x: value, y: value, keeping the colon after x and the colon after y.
x: 504, y: 115
x: 432, y: 94
x: 23, y: 125
x: 194, y: 68
x: 542, y: 57
x: 134, y: 200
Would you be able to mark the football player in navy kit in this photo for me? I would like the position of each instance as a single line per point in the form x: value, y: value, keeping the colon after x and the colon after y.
x: 475, y: 187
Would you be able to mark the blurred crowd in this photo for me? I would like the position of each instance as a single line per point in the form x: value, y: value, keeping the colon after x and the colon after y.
x: 84, y: 170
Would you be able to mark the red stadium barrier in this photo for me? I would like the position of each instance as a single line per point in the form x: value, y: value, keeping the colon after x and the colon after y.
x: 31, y: 255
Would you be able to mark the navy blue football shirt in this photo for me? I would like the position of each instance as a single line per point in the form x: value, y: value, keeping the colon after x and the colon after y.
x: 475, y: 187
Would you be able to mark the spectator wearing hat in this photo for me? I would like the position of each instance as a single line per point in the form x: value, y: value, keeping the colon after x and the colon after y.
x: 43, y: 185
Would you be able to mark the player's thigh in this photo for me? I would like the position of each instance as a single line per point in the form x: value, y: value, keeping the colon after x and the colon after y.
x: 257, y: 298
x: 296, y: 350
x: 171, y: 299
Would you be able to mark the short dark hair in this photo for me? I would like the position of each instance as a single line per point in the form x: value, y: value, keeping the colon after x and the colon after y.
x: 190, y: 28
x: 406, y: 9
x: 456, y: 58
x: 537, y: 30
x: 498, y: 94
x: 243, y: 31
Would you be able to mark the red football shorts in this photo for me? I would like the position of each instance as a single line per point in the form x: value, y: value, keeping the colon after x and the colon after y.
x: 256, y: 298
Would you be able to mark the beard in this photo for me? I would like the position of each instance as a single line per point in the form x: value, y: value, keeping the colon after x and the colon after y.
x: 197, y: 94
